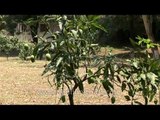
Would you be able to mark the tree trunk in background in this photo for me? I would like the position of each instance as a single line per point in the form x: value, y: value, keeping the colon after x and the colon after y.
x: 148, y: 21
x: 131, y: 26
x: 34, y: 32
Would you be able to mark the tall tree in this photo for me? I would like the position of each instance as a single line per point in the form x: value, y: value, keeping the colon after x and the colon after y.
x: 13, y: 20
x: 148, y: 24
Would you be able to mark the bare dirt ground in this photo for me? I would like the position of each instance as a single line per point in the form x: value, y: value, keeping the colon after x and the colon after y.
x: 21, y: 83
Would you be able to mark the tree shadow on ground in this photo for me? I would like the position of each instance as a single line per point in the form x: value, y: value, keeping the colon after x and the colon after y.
x: 130, y: 55
x: 11, y: 54
x: 127, y: 54
x: 118, y: 45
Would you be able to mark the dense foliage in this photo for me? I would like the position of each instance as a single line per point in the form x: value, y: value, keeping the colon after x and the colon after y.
x: 8, y: 44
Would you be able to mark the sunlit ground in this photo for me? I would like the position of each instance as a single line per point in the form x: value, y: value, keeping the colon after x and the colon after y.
x: 22, y: 83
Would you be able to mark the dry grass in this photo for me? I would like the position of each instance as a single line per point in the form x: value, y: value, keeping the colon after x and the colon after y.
x: 22, y: 83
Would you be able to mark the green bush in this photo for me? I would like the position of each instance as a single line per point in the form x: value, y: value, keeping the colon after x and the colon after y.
x: 26, y: 50
x: 8, y: 45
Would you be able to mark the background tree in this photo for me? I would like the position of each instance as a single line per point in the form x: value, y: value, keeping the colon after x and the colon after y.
x: 13, y: 20
x: 121, y: 28
x: 148, y: 24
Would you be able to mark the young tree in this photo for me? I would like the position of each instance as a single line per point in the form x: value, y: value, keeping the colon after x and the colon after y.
x: 71, y: 49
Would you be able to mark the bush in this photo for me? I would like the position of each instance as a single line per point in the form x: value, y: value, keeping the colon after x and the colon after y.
x: 26, y: 50
x: 8, y: 44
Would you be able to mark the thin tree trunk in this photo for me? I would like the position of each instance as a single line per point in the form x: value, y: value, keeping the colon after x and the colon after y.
x: 148, y: 20
x: 131, y: 25
x: 70, y: 95
x: 34, y: 32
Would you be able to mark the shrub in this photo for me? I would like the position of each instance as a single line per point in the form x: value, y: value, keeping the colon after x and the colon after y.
x: 8, y: 44
x: 26, y: 50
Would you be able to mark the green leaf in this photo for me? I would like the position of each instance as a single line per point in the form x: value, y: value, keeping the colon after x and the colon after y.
x: 148, y: 46
x: 131, y: 87
x: 118, y: 78
x: 89, y: 71
x: 74, y: 33
x: 63, y: 98
x: 139, y: 42
x: 143, y: 76
x: 152, y: 76
x: 59, y: 61
x: 80, y: 85
x: 145, y: 92
x: 107, y: 86
x: 91, y: 80
x: 97, y: 25
x: 50, y: 19
x: 137, y: 102
x: 125, y: 74
x: 113, y: 99
x: 134, y: 44
x: 131, y: 93
x: 106, y: 72
x: 127, y: 98
x: 60, y: 25
x: 147, y: 41
x: 111, y: 70
x: 93, y: 45
x: 123, y: 87
x: 52, y: 47
x: 47, y: 68
x: 62, y: 42
x: 155, y: 101
x: 135, y: 64
x: 70, y: 71
x: 143, y: 83
x: 81, y: 31
x: 94, y: 17
x: 35, y: 51
x: 152, y: 96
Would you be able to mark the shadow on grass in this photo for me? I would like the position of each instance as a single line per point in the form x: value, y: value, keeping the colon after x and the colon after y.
x: 127, y: 51
x: 127, y: 55
x: 130, y: 55
x: 117, y: 45
x: 11, y: 54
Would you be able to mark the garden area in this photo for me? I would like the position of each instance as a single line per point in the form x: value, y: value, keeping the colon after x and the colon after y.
x: 79, y: 60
